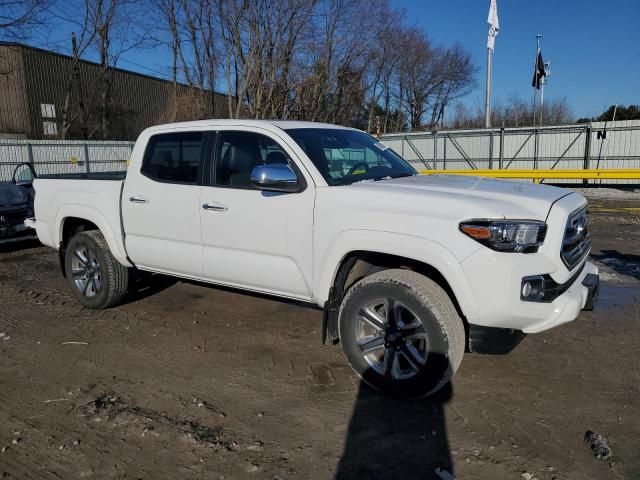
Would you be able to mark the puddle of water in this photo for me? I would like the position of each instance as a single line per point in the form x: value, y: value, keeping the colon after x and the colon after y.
x: 615, y: 296
x: 627, y: 265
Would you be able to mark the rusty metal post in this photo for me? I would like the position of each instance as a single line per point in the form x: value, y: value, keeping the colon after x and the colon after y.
x: 587, y: 152
x: 491, y: 150
x: 86, y: 158
x: 30, y: 154
x: 501, y: 159
x: 435, y: 149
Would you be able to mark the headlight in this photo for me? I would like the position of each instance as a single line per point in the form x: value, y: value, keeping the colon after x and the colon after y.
x: 506, y: 235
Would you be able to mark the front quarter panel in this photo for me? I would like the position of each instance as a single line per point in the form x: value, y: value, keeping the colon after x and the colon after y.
x: 407, y: 246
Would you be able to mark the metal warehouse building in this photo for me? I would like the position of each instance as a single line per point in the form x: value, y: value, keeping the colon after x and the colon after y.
x: 35, y: 88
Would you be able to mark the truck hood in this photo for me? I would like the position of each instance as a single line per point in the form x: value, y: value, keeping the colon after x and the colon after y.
x: 474, y: 197
x: 12, y: 195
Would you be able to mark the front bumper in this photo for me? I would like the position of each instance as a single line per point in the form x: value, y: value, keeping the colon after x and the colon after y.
x: 582, y: 294
x: 499, y: 341
x: 496, y: 281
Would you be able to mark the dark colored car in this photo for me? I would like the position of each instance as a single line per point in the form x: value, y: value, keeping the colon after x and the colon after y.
x: 16, y: 205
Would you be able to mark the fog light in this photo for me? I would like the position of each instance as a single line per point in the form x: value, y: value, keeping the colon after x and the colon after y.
x: 532, y: 289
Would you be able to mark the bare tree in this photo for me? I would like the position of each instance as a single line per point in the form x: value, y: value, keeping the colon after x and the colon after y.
x: 19, y: 17
x: 454, y: 79
x: 341, y: 61
x: 514, y: 112
x: 107, y: 29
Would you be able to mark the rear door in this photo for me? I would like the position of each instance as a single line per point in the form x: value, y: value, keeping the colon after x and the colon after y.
x: 161, y: 204
x: 256, y: 239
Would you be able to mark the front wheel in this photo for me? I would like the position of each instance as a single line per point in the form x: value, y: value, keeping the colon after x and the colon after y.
x: 401, y: 333
x: 96, y: 278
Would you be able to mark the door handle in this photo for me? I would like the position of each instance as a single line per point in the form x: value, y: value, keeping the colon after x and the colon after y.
x: 214, y: 207
x: 138, y: 199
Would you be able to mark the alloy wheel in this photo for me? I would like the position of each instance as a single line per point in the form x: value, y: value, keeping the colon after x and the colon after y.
x: 85, y: 269
x: 391, y: 338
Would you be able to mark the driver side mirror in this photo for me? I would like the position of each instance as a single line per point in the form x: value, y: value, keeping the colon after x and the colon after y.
x: 275, y: 177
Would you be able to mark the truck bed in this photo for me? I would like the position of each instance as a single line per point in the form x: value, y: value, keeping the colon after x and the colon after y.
x: 95, y: 199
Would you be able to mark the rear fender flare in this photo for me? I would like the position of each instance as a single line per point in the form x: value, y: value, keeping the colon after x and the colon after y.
x: 94, y: 216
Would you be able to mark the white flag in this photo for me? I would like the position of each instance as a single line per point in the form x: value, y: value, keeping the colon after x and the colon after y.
x: 494, y: 24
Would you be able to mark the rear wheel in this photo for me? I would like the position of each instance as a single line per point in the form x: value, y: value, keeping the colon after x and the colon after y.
x: 401, y: 333
x: 96, y: 278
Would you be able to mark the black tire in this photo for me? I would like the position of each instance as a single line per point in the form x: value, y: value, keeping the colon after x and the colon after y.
x: 425, y: 357
x: 96, y: 278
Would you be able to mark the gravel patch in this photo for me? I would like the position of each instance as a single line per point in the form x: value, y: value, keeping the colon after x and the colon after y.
x: 610, y: 193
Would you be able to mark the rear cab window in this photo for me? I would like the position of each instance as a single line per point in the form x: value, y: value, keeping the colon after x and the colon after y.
x: 174, y: 157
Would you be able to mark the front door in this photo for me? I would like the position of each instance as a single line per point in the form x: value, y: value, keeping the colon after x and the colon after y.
x: 256, y: 239
x: 161, y: 205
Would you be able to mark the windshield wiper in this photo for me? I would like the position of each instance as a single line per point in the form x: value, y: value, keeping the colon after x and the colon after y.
x: 399, y: 175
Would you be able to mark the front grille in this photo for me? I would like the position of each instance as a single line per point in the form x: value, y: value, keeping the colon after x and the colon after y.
x: 577, y: 239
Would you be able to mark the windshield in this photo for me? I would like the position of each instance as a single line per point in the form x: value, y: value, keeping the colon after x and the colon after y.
x: 347, y: 156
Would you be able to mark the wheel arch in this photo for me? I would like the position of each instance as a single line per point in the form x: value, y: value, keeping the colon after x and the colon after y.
x: 392, y: 251
x: 77, y: 218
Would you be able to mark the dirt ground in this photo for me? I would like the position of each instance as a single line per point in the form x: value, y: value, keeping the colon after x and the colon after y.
x: 189, y: 381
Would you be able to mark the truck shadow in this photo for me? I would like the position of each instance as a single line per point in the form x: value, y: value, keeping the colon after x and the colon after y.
x: 392, y: 438
x: 145, y: 284
x: 12, y: 246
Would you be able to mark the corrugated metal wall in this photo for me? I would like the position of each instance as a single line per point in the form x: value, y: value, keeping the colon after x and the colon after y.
x: 39, y: 77
x: 598, y: 145
x: 14, y: 118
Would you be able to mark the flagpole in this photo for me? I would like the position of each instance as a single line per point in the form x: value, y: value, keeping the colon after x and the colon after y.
x: 494, y: 28
x: 542, y: 82
x: 535, y: 66
x: 487, y: 103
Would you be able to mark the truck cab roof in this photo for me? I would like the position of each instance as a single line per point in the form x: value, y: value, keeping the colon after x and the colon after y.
x: 267, y: 124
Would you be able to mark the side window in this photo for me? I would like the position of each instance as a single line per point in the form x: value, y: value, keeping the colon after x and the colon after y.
x: 174, y: 157
x: 240, y: 152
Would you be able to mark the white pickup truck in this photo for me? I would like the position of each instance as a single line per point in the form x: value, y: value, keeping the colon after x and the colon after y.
x: 410, y: 270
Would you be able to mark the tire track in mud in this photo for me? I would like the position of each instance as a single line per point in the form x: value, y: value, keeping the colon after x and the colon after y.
x: 94, y: 443
x: 61, y: 306
x: 55, y: 304
x: 22, y: 467
x: 64, y: 307
x: 10, y: 321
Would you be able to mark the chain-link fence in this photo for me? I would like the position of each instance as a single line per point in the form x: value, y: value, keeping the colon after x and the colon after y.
x: 601, y: 145
x: 60, y: 156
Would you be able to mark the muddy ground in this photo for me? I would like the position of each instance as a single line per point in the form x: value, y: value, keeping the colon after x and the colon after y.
x: 188, y: 381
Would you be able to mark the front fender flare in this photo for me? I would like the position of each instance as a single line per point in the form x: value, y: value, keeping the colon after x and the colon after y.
x: 402, y: 245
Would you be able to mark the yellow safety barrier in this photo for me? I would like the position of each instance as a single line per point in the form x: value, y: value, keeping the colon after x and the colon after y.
x: 608, y: 174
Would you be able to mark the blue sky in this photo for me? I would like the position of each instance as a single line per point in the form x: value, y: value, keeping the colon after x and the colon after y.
x: 593, y: 46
